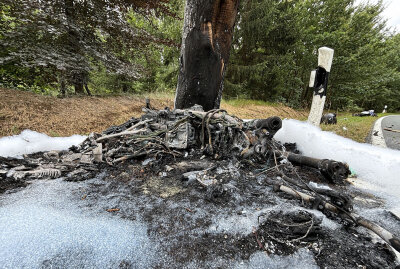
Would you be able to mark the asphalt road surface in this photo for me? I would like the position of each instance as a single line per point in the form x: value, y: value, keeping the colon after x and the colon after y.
x: 392, y: 139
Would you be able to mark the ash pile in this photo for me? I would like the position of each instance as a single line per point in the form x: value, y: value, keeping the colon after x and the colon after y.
x: 227, y: 161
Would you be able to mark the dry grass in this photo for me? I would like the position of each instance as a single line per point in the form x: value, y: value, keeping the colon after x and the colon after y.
x: 249, y: 109
x: 64, y: 117
x: 21, y: 110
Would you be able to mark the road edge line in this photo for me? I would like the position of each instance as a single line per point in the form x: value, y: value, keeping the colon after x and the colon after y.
x: 378, y: 140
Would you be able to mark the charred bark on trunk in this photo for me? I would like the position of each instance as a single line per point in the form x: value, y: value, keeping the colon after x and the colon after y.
x: 206, y: 42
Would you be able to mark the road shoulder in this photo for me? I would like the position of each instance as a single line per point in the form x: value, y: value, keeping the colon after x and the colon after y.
x: 376, y: 135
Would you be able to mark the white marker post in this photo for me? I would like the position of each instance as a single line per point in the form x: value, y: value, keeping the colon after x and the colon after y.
x: 319, y: 81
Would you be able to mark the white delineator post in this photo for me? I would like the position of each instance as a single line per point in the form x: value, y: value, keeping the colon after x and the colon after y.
x: 319, y: 81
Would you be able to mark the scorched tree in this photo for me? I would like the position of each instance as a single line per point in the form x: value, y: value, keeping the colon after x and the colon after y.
x: 206, y: 42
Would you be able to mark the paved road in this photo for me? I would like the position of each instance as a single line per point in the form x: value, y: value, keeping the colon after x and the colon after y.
x: 392, y: 139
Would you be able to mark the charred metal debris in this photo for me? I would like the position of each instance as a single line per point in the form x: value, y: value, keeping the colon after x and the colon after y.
x: 205, y: 138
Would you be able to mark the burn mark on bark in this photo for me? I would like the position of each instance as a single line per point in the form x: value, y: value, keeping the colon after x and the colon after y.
x: 208, y: 32
x: 222, y: 67
x: 205, y: 52
x: 224, y: 15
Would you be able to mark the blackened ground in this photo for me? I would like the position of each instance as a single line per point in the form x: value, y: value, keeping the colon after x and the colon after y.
x: 212, y: 227
x: 10, y: 184
x: 7, y: 183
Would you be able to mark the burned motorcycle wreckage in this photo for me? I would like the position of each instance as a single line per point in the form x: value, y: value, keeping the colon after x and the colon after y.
x: 175, y: 135
x: 214, y: 133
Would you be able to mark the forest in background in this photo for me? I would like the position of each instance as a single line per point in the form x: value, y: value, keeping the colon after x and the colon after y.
x: 64, y: 47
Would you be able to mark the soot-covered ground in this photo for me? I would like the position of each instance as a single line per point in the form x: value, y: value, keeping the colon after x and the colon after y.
x: 237, y: 222
x: 237, y: 219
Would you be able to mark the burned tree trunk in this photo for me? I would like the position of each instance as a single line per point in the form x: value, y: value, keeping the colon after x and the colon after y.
x: 206, y: 42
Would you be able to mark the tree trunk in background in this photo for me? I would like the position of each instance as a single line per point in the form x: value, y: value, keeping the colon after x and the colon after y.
x: 206, y: 42
x: 87, y: 90
x: 79, y: 88
x: 77, y: 75
x: 63, y: 86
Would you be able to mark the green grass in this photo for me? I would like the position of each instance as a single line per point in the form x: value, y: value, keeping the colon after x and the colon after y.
x: 54, y: 134
x: 355, y: 128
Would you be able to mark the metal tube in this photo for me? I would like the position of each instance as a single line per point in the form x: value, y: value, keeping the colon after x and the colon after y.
x: 334, y: 171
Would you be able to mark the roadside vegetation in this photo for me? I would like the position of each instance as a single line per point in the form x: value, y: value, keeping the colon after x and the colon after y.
x: 69, y: 48
x: 355, y: 128
x: 63, y: 47
x: 20, y: 110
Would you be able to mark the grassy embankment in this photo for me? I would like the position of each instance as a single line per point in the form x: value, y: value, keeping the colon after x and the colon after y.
x: 21, y: 110
x: 356, y: 128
